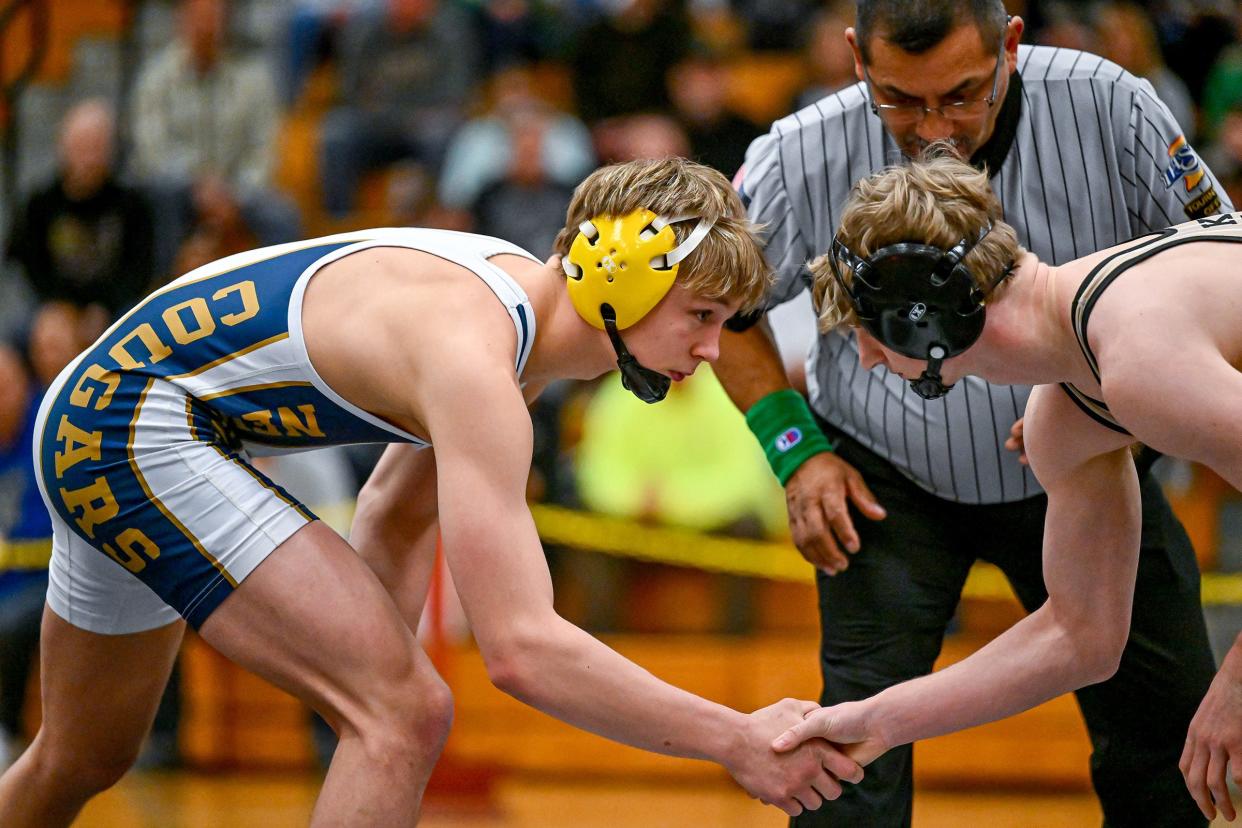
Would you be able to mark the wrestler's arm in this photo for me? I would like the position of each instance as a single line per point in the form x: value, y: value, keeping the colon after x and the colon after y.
x: 396, y: 526
x: 396, y: 523
x: 1184, y: 403
x: 479, y: 425
x: 1091, y: 543
x: 1193, y: 415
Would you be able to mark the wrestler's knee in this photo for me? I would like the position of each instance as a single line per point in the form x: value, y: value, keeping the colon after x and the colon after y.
x: 407, y: 713
x: 80, y: 769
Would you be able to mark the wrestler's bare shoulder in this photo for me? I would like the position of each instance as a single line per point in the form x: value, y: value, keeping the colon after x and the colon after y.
x: 380, y: 321
x: 1185, y: 298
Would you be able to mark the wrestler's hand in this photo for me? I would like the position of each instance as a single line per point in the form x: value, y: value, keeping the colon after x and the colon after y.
x: 818, y: 496
x: 1214, y: 741
x: 848, y: 724
x: 1016, y: 443
x: 793, y: 780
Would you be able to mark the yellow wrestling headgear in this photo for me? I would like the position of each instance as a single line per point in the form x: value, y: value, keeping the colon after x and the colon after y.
x: 628, y: 263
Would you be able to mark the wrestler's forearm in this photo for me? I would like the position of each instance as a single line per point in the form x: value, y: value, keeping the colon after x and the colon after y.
x: 1035, y: 660
x: 395, y: 526
x: 1091, y: 542
x: 565, y: 672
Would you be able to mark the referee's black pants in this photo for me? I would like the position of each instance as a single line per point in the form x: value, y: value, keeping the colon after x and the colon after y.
x: 883, y: 620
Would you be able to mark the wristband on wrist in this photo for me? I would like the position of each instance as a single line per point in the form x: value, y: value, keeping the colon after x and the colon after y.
x: 787, y: 431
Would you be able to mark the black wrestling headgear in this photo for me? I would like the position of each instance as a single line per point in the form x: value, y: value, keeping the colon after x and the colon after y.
x: 919, y: 300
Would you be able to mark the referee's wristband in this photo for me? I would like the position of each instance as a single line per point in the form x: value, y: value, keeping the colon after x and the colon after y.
x: 787, y: 431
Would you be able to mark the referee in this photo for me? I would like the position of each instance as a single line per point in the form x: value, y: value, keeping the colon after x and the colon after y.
x: 1082, y: 156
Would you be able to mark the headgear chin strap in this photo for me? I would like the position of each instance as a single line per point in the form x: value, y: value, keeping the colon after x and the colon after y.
x: 648, y: 385
x: 919, y: 300
x: 619, y: 269
x: 930, y: 385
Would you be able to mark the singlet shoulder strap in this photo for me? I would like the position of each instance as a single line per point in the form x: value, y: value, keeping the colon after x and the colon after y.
x: 1093, y: 408
x: 1222, y: 228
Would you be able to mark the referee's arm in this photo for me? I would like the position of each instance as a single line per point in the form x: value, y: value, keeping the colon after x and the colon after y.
x: 1170, y: 183
x: 750, y: 365
x: 820, y: 488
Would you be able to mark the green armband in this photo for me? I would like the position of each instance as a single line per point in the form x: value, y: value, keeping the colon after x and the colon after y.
x: 787, y: 431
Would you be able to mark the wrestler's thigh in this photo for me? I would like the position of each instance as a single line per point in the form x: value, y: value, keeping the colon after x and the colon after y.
x: 100, y: 692
x: 313, y: 619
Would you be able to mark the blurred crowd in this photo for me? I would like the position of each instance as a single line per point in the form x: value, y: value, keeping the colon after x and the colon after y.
x: 476, y: 115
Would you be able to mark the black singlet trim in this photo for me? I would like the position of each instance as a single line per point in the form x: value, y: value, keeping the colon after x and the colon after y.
x: 1154, y: 246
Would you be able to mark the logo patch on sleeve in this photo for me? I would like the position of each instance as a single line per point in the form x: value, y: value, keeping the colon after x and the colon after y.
x: 788, y: 440
x: 1203, y: 205
x: 1183, y: 164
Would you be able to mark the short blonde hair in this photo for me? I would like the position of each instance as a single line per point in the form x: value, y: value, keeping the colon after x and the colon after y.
x: 728, y: 264
x: 937, y: 201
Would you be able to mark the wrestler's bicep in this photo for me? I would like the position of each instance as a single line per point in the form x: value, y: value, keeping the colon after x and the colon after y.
x: 1059, y: 436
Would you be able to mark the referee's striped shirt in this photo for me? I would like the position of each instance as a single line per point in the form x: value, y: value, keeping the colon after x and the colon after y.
x: 1083, y: 156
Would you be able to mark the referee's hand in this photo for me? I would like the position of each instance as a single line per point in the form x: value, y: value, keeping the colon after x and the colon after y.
x: 1016, y: 442
x: 818, y: 496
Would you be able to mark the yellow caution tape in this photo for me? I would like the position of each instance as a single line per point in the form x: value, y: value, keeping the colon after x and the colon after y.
x: 32, y: 554
x: 774, y: 560
x: 1222, y: 588
x: 662, y: 544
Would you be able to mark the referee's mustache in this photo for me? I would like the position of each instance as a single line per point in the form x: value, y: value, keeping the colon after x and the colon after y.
x: 925, y: 150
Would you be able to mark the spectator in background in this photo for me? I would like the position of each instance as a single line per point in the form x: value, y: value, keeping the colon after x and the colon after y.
x: 1064, y: 26
x: 1127, y: 37
x: 690, y: 463
x: 525, y: 204
x: 699, y: 89
x: 311, y: 30
x: 84, y: 238
x: 622, y: 59
x: 25, y: 548
x: 686, y: 463
x: 205, y: 124
x: 58, y: 333
x: 1222, y: 90
x: 775, y: 24
x: 1224, y: 157
x: 829, y: 61
x: 219, y: 228
x: 647, y: 135
x: 406, y: 74
x: 1193, y: 36
x: 520, y: 31
x: 481, y: 153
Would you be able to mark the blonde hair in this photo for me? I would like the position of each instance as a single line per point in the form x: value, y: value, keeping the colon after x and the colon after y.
x: 938, y: 201
x: 727, y: 265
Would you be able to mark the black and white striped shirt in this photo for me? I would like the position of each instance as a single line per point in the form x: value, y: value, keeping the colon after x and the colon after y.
x: 1084, y: 156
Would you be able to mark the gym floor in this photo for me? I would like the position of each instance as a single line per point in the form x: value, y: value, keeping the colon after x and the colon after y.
x: 178, y: 800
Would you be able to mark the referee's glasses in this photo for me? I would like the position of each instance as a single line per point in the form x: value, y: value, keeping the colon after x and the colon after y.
x: 911, y: 113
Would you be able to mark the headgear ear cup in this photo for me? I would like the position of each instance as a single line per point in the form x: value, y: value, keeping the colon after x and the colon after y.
x: 618, y: 269
x: 897, y: 279
x: 629, y: 263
